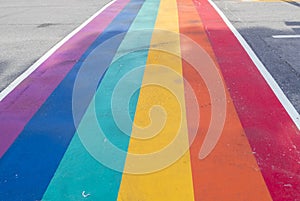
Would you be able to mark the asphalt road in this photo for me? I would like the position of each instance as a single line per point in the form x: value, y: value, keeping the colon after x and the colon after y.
x: 30, y: 28
x: 55, y: 127
x: 258, y: 22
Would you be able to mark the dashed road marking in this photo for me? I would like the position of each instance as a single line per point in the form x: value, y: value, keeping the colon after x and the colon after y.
x: 285, y: 36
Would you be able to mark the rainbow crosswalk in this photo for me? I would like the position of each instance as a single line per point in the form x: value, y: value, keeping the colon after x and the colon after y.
x: 151, y: 100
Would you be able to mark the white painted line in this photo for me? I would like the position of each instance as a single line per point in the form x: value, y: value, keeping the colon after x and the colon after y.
x: 262, y: 69
x: 286, y: 36
x: 34, y: 66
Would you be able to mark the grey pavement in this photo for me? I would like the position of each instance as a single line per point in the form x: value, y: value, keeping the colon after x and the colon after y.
x: 257, y: 22
x: 29, y: 28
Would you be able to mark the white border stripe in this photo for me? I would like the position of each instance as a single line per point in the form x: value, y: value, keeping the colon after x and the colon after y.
x: 34, y: 66
x: 262, y: 69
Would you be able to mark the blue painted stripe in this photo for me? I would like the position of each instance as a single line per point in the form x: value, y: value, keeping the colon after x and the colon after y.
x: 28, y: 166
x: 78, y: 170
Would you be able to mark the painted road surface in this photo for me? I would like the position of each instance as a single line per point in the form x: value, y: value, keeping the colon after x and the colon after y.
x: 149, y: 100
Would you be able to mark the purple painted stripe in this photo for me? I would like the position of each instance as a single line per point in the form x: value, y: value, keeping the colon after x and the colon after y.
x: 18, y: 107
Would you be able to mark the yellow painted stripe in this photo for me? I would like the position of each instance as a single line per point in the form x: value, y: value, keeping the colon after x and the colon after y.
x: 161, y: 100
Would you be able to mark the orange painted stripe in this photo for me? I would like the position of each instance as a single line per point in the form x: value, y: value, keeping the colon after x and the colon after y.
x: 230, y: 172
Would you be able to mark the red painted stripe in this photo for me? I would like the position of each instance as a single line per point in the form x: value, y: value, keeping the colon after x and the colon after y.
x: 230, y: 171
x: 272, y: 134
x: 18, y: 107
